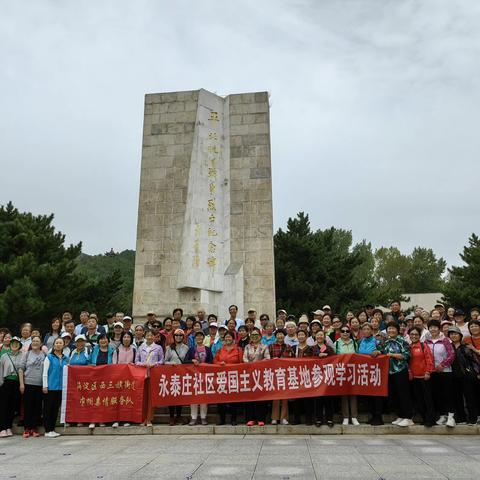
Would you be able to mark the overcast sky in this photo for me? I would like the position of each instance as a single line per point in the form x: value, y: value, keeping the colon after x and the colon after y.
x: 375, y: 108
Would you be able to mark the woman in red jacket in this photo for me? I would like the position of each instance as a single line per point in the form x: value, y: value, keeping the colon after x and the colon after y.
x: 229, y: 354
x: 421, y: 365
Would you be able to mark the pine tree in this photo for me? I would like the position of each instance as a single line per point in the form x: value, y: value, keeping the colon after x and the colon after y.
x: 463, y: 288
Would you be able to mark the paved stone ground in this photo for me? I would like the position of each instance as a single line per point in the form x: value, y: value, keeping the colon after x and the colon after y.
x: 231, y: 457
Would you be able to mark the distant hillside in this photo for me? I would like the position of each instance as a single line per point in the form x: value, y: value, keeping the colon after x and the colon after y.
x: 100, y: 267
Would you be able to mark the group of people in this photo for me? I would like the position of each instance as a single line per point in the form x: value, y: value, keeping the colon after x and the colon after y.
x: 434, y: 361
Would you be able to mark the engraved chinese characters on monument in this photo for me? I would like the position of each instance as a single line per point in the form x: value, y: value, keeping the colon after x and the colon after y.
x: 205, y: 230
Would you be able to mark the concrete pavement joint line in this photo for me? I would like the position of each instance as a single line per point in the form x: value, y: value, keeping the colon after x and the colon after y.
x: 310, y: 456
x: 256, y: 463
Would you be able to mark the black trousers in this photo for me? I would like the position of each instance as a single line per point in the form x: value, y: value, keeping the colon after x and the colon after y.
x: 465, y: 392
x: 303, y: 406
x: 223, y: 408
x: 323, y: 409
x: 442, y: 392
x: 423, y: 400
x: 51, y: 406
x: 399, y: 393
x: 375, y: 406
x: 9, y: 400
x: 175, y: 411
x: 32, y: 406
x: 256, y: 411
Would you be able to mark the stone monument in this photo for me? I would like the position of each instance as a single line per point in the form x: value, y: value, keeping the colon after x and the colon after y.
x: 205, y: 229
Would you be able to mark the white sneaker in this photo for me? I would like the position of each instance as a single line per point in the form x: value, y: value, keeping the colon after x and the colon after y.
x: 285, y: 422
x: 9, y: 432
x: 345, y: 421
x: 274, y: 422
x: 126, y: 424
x: 3, y: 434
x: 55, y: 434
x: 52, y: 434
x: 92, y: 425
x: 403, y: 423
x: 450, y: 420
x: 442, y: 420
x: 397, y: 421
x: 355, y: 422
x: 411, y: 423
x: 115, y: 424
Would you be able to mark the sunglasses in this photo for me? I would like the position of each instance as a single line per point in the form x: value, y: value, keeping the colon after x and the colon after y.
x: 178, y: 335
x: 155, y: 326
x: 345, y: 331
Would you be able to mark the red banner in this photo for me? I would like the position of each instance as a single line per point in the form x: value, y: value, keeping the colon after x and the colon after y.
x: 349, y: 374
x: 108, y: 393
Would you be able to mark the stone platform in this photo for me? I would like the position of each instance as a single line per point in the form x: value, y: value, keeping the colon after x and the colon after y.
x: 362, y: 429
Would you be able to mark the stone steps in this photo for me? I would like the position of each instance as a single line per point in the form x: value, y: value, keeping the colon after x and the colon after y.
x: 362, y: 429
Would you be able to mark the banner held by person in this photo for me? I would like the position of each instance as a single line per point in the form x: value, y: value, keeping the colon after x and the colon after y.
x: 349, y: 374
x: 107, y: 393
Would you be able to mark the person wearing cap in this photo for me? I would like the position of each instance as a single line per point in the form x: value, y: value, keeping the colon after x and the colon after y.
x: 420, y: 368
x: 255, y: 351
x: 199, y: 354
x: 460, y: 322
x: 229, y: 354
x: 441, y: 309
x: 151, y: 318
x: 291, y: 337
x: 441, y: 378
x: 10, y: 364
x: 115, y: 339
x: 303, y: 323
x: 79, y: 355
x: 52, y: 381
x: 176, y: 354
x: 53, y: 333
x: 318, y: 314
x: 315, y: 326
x: 30, y: 377
x: 280, y: 349
x: 398, y: 351
x: 327, y: 309
x: 211, y: 335
x: 466, y: 374
x: 127, y: 324
x: 218, y: 343
x: 67, y: 341
x: 282, y: 314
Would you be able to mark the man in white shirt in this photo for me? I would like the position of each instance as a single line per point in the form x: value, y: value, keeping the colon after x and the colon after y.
x: 233, y: 310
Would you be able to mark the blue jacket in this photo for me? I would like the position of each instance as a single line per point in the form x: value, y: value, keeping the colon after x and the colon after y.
x: 367, y: 345
x: 94, y: 355
x: 81, y: 358
x: 54, y: 367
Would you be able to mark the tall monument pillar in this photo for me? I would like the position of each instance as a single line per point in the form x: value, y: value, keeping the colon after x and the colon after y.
x: 205, y: 228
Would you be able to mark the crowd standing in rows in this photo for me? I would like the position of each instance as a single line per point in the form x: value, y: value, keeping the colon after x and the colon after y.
x: 434, y: 361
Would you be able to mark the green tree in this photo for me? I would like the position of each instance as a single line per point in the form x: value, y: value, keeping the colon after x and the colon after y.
x: 321, y: 266
x: 37, y: 271
x: 463, y: 287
